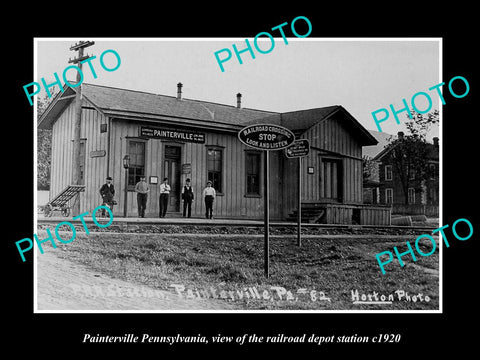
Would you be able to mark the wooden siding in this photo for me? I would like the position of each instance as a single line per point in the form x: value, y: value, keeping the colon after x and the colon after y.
x: 95, y: 167
x: 232, y: 202
x: 62, y: 147
x: 416, y: 209
x: 328, y: 140
x: 62, y: 155
x: 331, y: 135
x: 375, y: 215
x: 339, y: 214
x: 357, y: 214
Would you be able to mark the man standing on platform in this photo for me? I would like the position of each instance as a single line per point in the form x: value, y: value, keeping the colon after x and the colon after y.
x: 187, y: 196
x: 142, y: 190
x: 107, y: 191
x: 209, y: 196
x: 164, y: 193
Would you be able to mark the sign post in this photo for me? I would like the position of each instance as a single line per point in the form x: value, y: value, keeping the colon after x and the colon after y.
x: 266, y: 137
x: 299, y: 149
x: 299, y: 206
x: 266, y: 213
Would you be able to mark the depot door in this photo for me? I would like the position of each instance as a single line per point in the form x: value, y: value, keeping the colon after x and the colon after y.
x: 331, y: 180
x: 171, y: 170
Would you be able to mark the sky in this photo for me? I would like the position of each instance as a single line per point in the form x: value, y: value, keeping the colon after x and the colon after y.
x: 360, y: 75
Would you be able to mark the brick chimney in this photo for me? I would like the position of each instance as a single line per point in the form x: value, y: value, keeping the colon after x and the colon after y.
x: 179, y: 91
x: 400, y: 135
x: 435, y: 141
x: 239, y: 100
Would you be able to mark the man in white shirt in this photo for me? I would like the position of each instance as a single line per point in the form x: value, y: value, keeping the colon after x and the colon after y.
x: 164, y: 193
x: 209, y: 195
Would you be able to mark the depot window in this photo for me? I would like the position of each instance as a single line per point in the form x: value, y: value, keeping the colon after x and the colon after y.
x: 388, y: 172
x: 411, y: 195
x: 215, y: 168
x: 252, y: 170
x: 136, y: 151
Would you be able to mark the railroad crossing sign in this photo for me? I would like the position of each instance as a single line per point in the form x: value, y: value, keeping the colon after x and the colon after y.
x: 299, y: 148
x: 266, y: 137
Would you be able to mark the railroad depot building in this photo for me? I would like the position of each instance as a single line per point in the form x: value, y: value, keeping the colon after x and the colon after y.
x: 169, y: 136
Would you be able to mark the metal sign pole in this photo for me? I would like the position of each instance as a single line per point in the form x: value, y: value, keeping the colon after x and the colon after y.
x: 299, y: 149
x: 266, y: 211
x: 266, y: 137
x: 299, y: 216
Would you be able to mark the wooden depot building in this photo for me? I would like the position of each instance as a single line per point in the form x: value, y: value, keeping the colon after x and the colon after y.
x: 169, y: 136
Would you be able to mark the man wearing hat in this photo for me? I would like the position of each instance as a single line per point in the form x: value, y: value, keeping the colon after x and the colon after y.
x: 107, y: 191
x: 187, y: 196
x: 209, y: 195
x: 164, y: 192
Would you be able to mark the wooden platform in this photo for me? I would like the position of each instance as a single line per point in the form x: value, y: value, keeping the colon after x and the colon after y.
x: 324, y: 213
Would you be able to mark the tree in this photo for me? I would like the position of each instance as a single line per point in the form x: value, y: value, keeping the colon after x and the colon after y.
x: 44, y: 148
x: 420, y: 125
x: 409, y: 153
x: 370, y: 169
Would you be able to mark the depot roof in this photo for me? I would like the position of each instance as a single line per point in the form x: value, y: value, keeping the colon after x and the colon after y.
x: 142, y: 106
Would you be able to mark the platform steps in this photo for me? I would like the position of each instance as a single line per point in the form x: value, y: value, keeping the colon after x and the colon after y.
x: 311, y: 213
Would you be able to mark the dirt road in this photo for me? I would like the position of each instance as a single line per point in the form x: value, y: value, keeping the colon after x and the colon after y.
x: 65, y: 285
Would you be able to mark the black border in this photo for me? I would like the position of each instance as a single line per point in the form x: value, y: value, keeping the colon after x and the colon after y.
x: 427, y: 334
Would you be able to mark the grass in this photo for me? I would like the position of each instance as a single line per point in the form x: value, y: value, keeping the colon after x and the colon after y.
x: 335, y: 267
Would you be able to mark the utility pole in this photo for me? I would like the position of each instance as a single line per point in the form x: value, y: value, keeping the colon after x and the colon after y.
x: 76, y: 180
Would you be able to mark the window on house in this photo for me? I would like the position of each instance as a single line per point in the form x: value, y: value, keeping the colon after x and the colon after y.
x: 252, y: 166
x: 136, y: 150
x: 214, y: 168
x: 411, y: 173
x: 388, y: 172
x: 411, y: 195
x: 432, y: 171
x: 388, y: 196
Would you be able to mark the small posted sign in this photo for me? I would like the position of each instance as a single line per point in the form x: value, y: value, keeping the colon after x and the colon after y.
x: 299, y: 148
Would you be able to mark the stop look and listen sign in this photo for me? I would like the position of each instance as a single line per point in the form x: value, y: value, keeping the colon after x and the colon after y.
x: 266, y: 137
